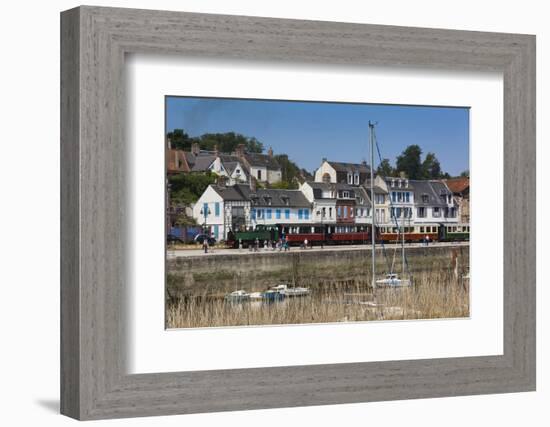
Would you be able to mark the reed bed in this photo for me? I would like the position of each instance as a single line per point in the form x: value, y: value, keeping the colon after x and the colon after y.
x: 433, y: 295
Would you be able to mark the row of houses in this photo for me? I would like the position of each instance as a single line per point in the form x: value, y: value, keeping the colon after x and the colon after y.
x: 339, y: 197
x: 236, y: 167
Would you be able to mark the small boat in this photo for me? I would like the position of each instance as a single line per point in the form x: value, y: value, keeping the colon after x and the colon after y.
x: 237, y: 296
x: 393, y: 281
x: 256, y: 295
x: 272, y: 295
x: 291, y: 292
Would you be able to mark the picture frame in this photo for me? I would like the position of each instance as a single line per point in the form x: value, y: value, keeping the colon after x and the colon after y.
x: 94, y: 267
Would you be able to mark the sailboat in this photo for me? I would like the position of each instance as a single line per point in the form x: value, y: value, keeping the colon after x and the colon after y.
x: 391, y: 279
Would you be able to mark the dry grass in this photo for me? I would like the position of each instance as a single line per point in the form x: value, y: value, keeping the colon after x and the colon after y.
x: 434, y: 295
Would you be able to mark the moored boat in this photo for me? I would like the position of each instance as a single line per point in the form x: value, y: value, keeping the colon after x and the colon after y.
x: 291, y: 292
x: 237, y: 296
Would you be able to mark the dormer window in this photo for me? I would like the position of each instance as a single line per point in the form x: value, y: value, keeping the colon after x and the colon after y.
x: 267, y: 200
x: 350, y: 178
x: 425, y: 198
x: 345, y: 194
x: 286, y: 200
x: 406, y: 183
x: 399, y: 183
x: 356, y: 179
x: 393, y: 182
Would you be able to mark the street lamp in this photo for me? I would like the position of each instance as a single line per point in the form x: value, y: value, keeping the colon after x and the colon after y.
x: 321, y: 212
x: 205, y: 213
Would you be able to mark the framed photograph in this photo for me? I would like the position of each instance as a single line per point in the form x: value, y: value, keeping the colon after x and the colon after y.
x: 261, y: 213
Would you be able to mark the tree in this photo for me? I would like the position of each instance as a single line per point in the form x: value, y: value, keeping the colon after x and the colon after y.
x: 431, y: 168
x: 186, y: 188
x: 385, y: 168
x: 292, y: 175
x: 179, y: 139
x: 409, y: 162
x: 465, y: 174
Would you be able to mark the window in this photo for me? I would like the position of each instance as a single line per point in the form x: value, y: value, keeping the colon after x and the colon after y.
x: 399, y: 196
x: 260, y: 213
x: 300, y: 213
x: 422, y: 229
x: 393, y: 195
x: 326, y: 178
x: 237, y: 171
x: 287, y: 213
x: 436, y: 213
x: 398, y: 213
x: 421, y: 213
x: 407, y: 197
x: 306, y: 213
x: 217, y: 208
x: 268, y: 213
x: 339, y: 211
x: 425, y: 198
x: 356, y: 179
x: 259, y: 175
x: 253, y: 214
x: 345, y: 194
x: 329, y: 212
x: 350, y: 178
x: 277, y: 213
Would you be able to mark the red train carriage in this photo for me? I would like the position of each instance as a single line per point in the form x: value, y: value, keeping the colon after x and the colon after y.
x: 416, y: 233
x: 328, y: 234
x: 296, y: 234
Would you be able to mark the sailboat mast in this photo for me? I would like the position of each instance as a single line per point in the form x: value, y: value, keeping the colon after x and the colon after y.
x: 403, y: 243
x: 373, y: 241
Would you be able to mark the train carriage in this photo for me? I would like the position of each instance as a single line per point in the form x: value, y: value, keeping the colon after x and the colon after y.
x: 412, y: 233
x: 454, y: 232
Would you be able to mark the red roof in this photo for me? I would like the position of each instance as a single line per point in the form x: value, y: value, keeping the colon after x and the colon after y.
x: 458, y: 185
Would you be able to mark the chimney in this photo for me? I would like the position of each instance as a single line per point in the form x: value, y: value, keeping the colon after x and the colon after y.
x: 239, y: 151
x: 252, y: 184
x: 324, y: 160
x: 270, y: 152
x: 195, y: 149
x: 216, y: 152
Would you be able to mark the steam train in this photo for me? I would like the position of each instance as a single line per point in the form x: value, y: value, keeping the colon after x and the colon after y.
x: 351, y: 234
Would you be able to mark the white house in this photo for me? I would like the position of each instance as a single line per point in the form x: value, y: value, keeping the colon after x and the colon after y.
x: 229, y: 167
x: 434, y: 205
x: 342, y: 173
x: 209, y: 212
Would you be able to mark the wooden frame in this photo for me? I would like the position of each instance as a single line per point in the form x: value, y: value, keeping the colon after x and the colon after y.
x: 94, y: 41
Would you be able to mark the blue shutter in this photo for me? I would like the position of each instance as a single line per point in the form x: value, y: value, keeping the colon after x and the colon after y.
x: 278, y: 213
x: 287, y: 213
x: 300, y: 213
x: 268, y: 216
x: 306, y: 213
x: 253, y: 213
x: 217, y: 209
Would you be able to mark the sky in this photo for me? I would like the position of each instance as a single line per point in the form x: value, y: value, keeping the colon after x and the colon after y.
x: 309, y: 131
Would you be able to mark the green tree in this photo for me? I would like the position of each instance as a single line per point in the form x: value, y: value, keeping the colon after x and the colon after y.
x: 179, y: 139
x: 465, y: 174
x: 292, y: 175
x: 409, y: 162
x: 385, y: 168
x: 431, y: 168
x: 186, y: 188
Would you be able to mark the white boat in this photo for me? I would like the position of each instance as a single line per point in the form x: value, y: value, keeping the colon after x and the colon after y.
x: 256, y: 295
x: 291, y: 292
x: 237, y: 296
x: 392, y: 280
